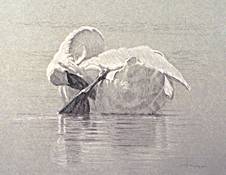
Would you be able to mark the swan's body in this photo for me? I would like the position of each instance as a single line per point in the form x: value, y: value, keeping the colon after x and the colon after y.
x: 140, y: 80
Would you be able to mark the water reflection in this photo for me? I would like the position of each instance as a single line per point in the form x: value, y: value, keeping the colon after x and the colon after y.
x: 109, y: 138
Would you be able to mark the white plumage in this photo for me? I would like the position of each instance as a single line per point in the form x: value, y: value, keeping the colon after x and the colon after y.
x: 140, y: 80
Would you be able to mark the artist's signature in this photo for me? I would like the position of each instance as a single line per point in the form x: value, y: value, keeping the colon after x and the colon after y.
x: 193, y: 166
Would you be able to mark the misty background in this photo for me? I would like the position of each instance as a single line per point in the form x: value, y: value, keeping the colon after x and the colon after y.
x: 187, y: 136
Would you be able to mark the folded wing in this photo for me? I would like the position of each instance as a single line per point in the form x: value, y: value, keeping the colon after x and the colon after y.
x: 114, y: 59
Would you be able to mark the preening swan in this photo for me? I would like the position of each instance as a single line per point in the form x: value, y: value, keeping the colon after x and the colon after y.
x: 140, y: 80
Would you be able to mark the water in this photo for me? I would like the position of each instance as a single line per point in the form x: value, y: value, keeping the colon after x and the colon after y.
x: 186, y: 137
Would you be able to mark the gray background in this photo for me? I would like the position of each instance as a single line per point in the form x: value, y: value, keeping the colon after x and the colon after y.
x: 187, y: 137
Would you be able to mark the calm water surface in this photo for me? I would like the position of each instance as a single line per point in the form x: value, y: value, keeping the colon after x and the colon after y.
x: 186, y: 137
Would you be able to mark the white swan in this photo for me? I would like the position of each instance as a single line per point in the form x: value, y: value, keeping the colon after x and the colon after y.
x: 140, y: 81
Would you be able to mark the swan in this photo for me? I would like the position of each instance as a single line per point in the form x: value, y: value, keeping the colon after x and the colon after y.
x: 140, y: 80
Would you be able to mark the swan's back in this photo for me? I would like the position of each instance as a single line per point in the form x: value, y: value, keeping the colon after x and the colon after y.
x: 114, y: 59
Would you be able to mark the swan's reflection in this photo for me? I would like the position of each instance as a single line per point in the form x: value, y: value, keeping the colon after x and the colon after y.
x: 109, y: 138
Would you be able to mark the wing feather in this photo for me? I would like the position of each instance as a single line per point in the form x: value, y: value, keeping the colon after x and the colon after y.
x: 114, y: 59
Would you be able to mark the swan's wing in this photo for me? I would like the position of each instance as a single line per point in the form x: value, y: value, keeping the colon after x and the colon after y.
x: 114, y: 59
x: 156, y: 59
